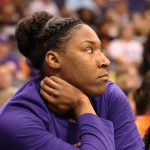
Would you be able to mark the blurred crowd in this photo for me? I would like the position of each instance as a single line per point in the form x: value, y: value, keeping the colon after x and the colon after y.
x: 123, y: 26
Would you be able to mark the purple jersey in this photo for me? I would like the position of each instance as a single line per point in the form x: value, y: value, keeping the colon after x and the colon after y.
x: 26, y: 123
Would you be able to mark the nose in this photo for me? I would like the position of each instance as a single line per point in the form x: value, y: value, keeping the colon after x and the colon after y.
x: 103, y: 61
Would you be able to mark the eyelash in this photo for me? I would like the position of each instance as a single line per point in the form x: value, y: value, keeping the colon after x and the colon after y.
x: 91, y: 49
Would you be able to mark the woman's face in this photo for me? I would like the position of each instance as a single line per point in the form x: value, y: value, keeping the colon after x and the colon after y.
x: 83, y: 64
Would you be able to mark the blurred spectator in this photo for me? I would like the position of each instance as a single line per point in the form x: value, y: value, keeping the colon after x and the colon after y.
x: 27, y: 69
x: 8, y: 56
x: 128, y: 79
x: 147, y: 139
x: 8, y: 18
x: 136, y: 5
x: 87, y: 16
x: 8, y: 14
x: 121, y: 8
x: 103, y: 6
x: 65, y: 11
x: 142, y: 101
x: 125, y: 49
x: 146, y: 57
x: 78, y: 4
x: 60, y: 2
x: 107, y: 30
x: 6, y: 83
x: 46, y: 5
x: 118, y: 12
x: 141, y: 26
x: 147, y: 14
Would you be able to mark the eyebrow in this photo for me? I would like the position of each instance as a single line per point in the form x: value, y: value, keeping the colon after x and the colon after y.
x: 91, y: 42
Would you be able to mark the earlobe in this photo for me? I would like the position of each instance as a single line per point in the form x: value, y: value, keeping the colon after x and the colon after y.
x: 52, y: 59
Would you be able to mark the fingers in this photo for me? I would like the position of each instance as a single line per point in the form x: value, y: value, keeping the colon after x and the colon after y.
x: 48, y: 97
x: 58, y: 93
x: 51, y: 87
x: 48, y: 81
x: 54, y: 104
x: 54, y: 85
x: 59, y: 80
x: 49, y: 91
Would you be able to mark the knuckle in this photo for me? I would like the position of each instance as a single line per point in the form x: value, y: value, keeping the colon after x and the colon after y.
x: 57, y: 93
x: 52, y: 77
x: 41, y: 91
x: 41, y: 83
x: 46, y: 80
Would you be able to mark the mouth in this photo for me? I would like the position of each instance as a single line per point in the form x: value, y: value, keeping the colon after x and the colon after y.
x: 104, y: 76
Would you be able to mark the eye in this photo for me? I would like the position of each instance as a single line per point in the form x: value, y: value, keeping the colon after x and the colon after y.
x: 88, y: 50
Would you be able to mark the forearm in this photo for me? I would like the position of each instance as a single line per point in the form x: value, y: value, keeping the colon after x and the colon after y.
x: 95, y: 133
x: 84, y: 106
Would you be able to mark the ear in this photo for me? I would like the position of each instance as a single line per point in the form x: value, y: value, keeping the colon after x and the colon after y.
x: 52, y: 59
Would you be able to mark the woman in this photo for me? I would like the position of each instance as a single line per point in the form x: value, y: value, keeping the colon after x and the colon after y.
x: 82, y: 109
x: 142, y: 103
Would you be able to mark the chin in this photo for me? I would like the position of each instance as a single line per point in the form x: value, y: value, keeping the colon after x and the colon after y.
x: 97, y: 91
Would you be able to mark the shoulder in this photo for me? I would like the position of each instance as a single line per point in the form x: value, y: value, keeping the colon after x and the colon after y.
x: 116, y: 102
x: 120, y: 113
x: 114, y: 93
x: 26, y: 103
x: 25, y: 116
x: 110, y: 102
x: 115, y: 96
x: 118, y: 106
x: 28, y: 94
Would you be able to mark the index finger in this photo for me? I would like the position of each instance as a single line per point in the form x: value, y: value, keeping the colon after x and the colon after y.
x: 58, y: 80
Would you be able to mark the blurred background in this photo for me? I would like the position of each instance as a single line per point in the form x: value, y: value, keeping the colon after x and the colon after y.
x: 123, y: 26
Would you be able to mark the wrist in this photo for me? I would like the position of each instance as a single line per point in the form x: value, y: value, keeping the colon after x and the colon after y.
x: 84, y: 106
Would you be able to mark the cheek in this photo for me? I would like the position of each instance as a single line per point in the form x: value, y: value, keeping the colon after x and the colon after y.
x: 82, y: 74
x: 76, y: 70
x: 83, y: 69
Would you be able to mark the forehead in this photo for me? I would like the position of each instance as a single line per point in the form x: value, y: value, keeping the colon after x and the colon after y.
x: 84, y: 33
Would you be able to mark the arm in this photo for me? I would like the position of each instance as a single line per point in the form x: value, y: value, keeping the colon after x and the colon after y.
x: 95, y: 132
x: 120, y: 113
x: 22, y: 129
x: 26, y: 131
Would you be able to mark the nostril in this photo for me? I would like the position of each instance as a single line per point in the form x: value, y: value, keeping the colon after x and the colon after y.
x: 104, y: 65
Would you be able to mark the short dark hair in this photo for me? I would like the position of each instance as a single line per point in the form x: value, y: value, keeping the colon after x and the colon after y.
x: 142, y: 96
x: 40, y: 32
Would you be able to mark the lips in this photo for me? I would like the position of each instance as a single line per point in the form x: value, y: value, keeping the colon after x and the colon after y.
x: 104, y: 76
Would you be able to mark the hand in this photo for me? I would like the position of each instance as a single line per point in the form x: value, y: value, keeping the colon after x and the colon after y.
x: 62, y: 97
